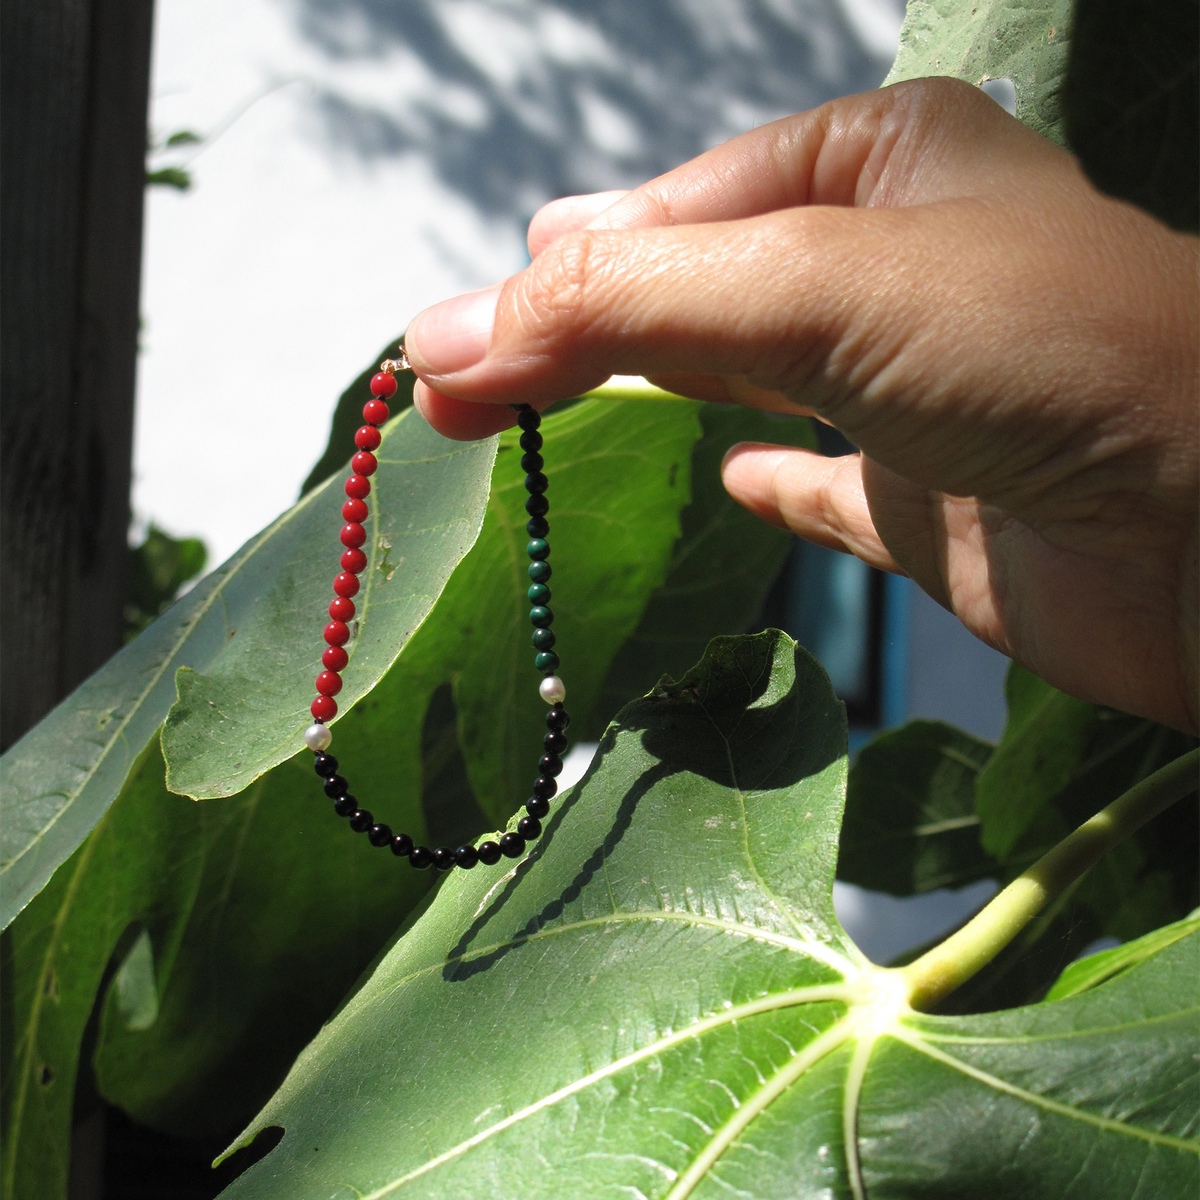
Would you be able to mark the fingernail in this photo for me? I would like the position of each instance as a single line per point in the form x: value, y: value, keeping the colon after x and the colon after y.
x: 453, y: 335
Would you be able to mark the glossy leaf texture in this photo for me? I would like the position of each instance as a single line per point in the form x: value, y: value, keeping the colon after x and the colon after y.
x: 1026, y: 41
x: 248, y: 638
x: 657, y: 1000
x: 217, y: 939
x: 244, y: 712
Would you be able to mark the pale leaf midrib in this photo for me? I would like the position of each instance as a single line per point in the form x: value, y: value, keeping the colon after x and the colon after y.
x: 820, y: 954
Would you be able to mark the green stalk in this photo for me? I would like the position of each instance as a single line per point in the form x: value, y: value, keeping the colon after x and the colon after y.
x: 951, y: 964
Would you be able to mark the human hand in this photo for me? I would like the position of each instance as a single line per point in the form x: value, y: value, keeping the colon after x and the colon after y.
x: 1015, y: 354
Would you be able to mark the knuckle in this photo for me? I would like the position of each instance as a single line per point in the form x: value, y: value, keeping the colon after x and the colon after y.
x: 552, y: 299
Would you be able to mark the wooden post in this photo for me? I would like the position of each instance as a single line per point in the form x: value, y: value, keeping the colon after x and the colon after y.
x: 74, y: 85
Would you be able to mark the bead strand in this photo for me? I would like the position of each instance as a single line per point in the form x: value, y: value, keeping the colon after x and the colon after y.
x: 318, y: 737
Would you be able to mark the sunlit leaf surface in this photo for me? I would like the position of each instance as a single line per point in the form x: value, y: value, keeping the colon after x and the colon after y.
x: 658, y: 1001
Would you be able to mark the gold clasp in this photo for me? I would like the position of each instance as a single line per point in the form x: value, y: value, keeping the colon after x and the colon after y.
x: 392, y: 365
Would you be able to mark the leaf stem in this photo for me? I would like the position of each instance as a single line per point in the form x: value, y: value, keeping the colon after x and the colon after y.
x: 947, y: 966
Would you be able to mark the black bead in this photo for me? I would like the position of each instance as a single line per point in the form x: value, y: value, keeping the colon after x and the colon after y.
x: 558, y: 718
x: 538, y: 548
x: 555, y: 742
x: 420, y: 857
x: 537, y: 505
x: 537, y: 527
x: 531, y: 441
x: 544, y: 786
x: 529, y: 418
x: 539, y: 615
x: 537, y: 808
x: 550, y: 764
x: 536, y: 483
x: 543, y: 639
x: 402, y: 845
x: 532, y: 462
x: 529, y: 828
x: 443, y: 858
x: 379, y: 835
x: 489, y: 853
x: 325, y: 765
x: 362, y: 820
x: 345, y: 806
x: 466, y: 857
x: 512, y: 845
x: 335, y: 786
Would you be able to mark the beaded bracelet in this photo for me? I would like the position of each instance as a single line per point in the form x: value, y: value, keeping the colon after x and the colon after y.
x: 318, y: 736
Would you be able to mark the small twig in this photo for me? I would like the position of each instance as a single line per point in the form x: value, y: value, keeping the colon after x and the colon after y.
x: 949, y: 965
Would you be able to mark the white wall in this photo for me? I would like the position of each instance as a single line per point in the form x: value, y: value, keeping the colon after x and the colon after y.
x: 391, y: 155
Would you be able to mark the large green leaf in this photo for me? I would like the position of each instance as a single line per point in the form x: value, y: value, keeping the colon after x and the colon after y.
x: 1022, y: 40
x: 245, y: 712
x: 658, y: 1001
x: 911, y: 824
x: 247, y: 639
x: 234, y: 929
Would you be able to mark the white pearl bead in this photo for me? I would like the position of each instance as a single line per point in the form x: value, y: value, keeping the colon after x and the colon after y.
x: 552, y: 690
x: 317, y: 737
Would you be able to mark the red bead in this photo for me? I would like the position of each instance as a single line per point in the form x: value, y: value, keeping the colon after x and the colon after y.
x: 324, y: 708
x: 354, y: 561
x: 358, y: 486
x: 334, y: 658
x: 364, y: 463
x: 354, y: 510
x: 353, y: 535
x: 345, y: 584
x: 341, y: 609
x: 367, y: 438
x: 375, y: 412
x: 383, y: 385
x: 329, y: 683
x: 337, y: 633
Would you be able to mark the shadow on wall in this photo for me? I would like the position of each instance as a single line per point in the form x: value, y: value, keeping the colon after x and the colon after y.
x: 515, y: 102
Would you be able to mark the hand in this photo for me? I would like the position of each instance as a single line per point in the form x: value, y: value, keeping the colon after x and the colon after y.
x: 1015, y: 354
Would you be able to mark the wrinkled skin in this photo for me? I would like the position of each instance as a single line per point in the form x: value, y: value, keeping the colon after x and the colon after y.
x: 1015, y: 354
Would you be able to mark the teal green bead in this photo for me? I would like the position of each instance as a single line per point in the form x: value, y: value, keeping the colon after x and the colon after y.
x: 540, y: 571
x: 546, y: 661
x: 539, y: 594
x: 541, y: 616
x: 543, y: 639
x: 539, y: 548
